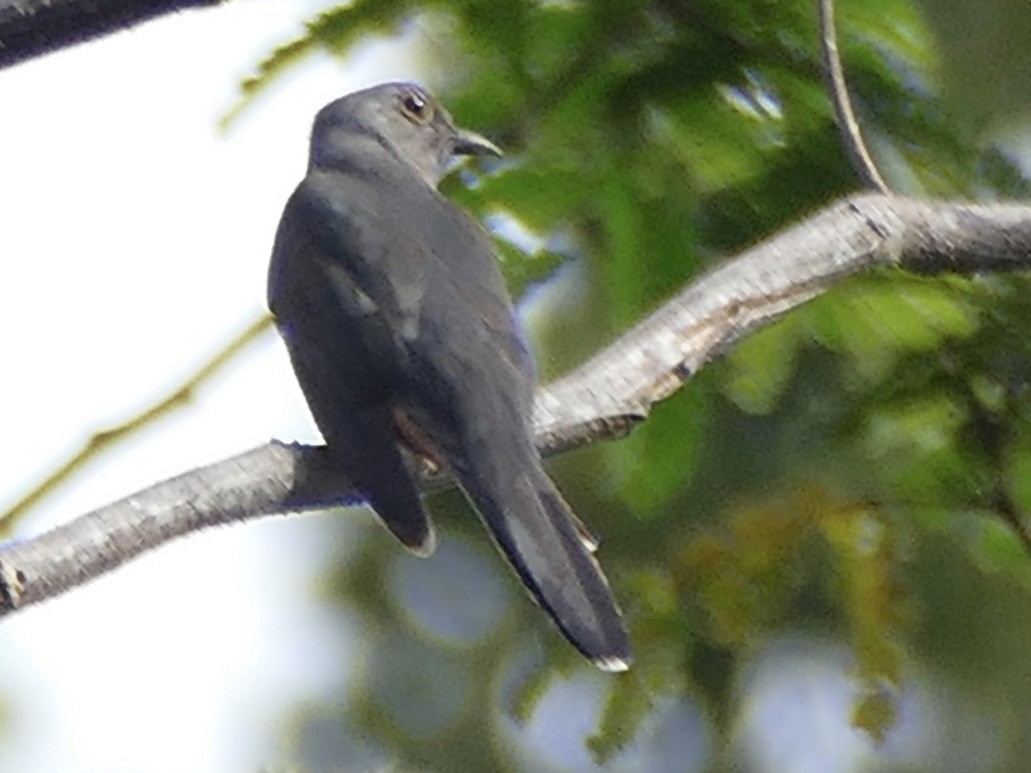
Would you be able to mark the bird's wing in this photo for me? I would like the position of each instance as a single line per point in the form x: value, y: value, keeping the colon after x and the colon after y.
x: 338, y: 319
x: 470, y: 388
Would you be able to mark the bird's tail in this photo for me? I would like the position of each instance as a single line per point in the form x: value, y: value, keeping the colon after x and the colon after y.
x: 551, y: 551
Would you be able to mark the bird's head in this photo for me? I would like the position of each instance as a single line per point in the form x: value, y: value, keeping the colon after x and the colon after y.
x: 404, y: 119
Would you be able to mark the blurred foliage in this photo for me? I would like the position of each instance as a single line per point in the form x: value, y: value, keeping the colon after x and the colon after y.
x: 990, y: 83
x: 813, y: 479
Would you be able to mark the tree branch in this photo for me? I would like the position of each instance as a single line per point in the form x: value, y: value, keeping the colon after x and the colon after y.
x: 848, y: 126
x: 105, y: 438
x: 30, y: 28
x: 603, y: 398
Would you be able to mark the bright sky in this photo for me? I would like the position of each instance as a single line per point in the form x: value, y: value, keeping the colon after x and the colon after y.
x: 134, y: 244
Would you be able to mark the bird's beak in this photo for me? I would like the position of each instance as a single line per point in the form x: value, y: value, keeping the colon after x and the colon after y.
x: 472, y: 144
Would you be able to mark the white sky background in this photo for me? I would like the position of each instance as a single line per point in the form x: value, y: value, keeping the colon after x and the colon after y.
x: 134, y: 243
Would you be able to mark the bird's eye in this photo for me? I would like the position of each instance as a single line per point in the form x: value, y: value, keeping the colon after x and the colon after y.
x: 416, y: 108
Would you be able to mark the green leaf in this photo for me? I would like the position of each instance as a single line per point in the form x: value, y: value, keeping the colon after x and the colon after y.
x: 659, y: 460
x: 335, y: 30
x: 876, y: 321
x: 759, y: 369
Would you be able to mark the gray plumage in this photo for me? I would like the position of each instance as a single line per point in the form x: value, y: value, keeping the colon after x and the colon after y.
x: 395, y: 315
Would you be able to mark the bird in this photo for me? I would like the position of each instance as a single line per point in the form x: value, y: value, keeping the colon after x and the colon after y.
x: 401, y: 333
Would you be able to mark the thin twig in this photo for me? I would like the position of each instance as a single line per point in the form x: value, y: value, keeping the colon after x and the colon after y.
x: 1005, y: 507
x: 834, y: 77
x: 104, y: 439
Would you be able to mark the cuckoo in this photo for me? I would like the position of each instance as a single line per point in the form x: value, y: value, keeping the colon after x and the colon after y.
x: 400, y: 330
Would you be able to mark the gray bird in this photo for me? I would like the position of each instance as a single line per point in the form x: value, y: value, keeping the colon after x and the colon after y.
x: 400, y: 329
